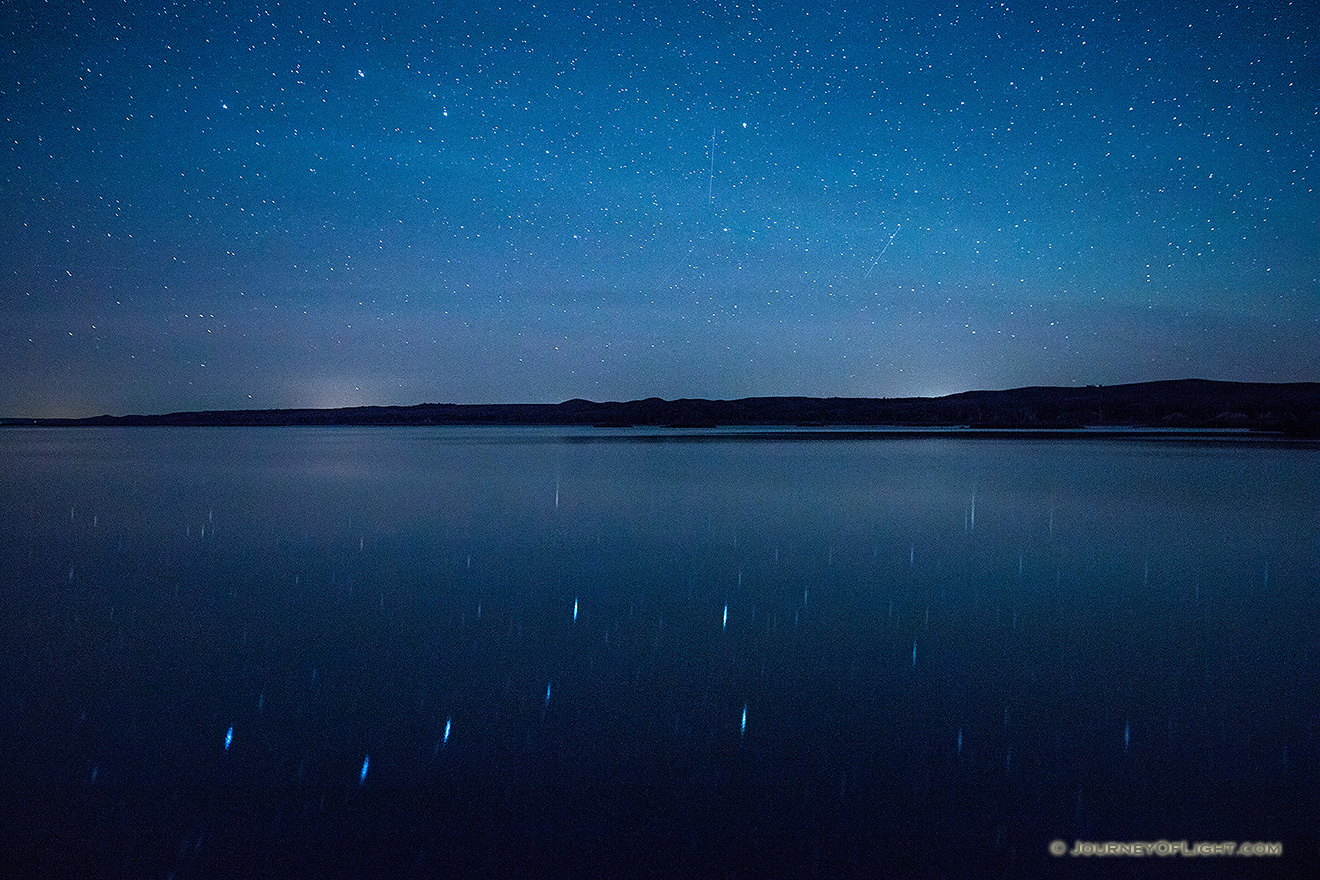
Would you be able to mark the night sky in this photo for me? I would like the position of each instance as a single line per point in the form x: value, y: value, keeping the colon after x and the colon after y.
x: 235, y: 205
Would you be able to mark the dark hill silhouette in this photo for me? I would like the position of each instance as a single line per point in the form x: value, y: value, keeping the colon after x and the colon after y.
x: 1292, y: 408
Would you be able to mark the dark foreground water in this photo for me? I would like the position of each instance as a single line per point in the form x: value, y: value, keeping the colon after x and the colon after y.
x: 420, y: 652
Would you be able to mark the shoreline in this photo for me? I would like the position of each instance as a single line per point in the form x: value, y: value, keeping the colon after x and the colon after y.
x: 1187, y: 404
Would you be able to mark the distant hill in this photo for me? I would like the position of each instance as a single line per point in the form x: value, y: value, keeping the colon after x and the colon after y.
x: 1291, y: 408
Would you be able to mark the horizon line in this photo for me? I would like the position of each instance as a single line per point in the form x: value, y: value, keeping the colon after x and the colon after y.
x: 583, y: 400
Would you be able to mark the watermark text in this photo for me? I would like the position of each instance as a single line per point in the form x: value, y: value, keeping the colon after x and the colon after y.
x: 1164, y: 848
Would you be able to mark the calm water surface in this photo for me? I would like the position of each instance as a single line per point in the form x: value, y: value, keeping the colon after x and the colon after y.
x: 555, y: 652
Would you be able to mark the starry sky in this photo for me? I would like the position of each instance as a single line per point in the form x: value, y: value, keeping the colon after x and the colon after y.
x: 215, y: 205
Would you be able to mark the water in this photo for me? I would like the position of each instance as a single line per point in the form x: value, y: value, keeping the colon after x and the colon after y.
x: 569, y: 652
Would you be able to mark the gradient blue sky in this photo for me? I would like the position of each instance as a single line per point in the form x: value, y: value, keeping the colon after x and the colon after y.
x: 225, y: 205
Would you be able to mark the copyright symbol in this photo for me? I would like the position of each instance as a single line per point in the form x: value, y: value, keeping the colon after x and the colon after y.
x: 1058, y: 847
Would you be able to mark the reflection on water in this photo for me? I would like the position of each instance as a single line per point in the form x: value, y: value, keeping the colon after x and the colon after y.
x: 537, y: 652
